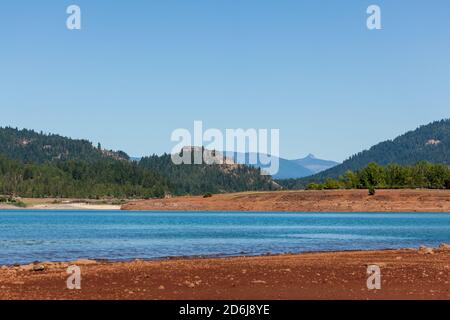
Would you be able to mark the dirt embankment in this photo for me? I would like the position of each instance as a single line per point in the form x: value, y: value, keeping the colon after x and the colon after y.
x: 307, y: 201
x: 405, y: 274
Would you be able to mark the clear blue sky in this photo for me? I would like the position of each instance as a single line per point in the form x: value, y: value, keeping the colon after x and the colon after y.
x: 140, y: 69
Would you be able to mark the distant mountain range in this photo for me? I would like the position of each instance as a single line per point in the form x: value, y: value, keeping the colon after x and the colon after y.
x: 427, y: 143
x: 30, y: 146
x: 289, y: 169
x: 78, y: 162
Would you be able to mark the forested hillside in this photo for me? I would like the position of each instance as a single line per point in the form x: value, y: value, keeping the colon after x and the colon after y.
x: 80, y: 179
x: 198, y: 179
x: 31, y: 147
x: 429, y: 143
x: 46, y: 165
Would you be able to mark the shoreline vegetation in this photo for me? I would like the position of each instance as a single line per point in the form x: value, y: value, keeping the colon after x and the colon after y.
x: 406, y: 274
x: 393, y: 176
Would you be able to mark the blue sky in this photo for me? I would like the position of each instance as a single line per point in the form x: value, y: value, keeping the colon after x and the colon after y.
x: 140, y: 69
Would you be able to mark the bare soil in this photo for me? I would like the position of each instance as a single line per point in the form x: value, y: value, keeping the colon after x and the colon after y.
x: 405, y: 274
x: 306, y: 201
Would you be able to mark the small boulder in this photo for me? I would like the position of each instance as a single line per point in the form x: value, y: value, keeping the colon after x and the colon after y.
x: 426, y: 250
x: 38, y: 267
x: 444, y: 247
x: 189, y: 284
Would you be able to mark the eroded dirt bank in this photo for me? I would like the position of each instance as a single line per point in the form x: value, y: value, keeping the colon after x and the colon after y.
x: 307, y: 201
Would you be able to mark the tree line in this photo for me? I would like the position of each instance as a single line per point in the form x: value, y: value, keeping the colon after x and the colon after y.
x: 152, y: 177
x: 393, y: 176
x: 204, y: 178
x: 80, y: 179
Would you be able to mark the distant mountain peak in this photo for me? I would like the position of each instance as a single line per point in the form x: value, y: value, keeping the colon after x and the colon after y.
x: 314, y: 164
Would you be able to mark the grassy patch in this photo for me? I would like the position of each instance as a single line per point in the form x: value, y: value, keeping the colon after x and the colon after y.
x: 12, y: 201
x: 19, y: 204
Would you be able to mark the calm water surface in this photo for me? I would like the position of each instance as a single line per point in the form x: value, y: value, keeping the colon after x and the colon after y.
x: 27, y: 236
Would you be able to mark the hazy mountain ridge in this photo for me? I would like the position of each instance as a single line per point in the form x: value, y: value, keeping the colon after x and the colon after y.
x: 314, y: 164
x: 287, y: 168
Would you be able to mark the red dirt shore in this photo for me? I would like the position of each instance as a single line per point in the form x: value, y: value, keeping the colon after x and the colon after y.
x: 306, y: 201
x: 405, y: 274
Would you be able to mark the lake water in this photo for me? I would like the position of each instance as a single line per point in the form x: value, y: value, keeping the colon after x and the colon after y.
x: 27, y: 236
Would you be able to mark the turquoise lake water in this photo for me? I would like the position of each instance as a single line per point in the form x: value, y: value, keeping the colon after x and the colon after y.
x: 27, y: 236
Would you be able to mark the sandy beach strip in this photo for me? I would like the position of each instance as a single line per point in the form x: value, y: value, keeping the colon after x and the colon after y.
x: 405, y: 274
x: 61, y: 204
x: 75, y: 206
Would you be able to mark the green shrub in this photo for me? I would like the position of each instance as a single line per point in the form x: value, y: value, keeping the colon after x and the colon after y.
x: 19, y: 204
x: 331, y: 184
x: 314, y: 186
